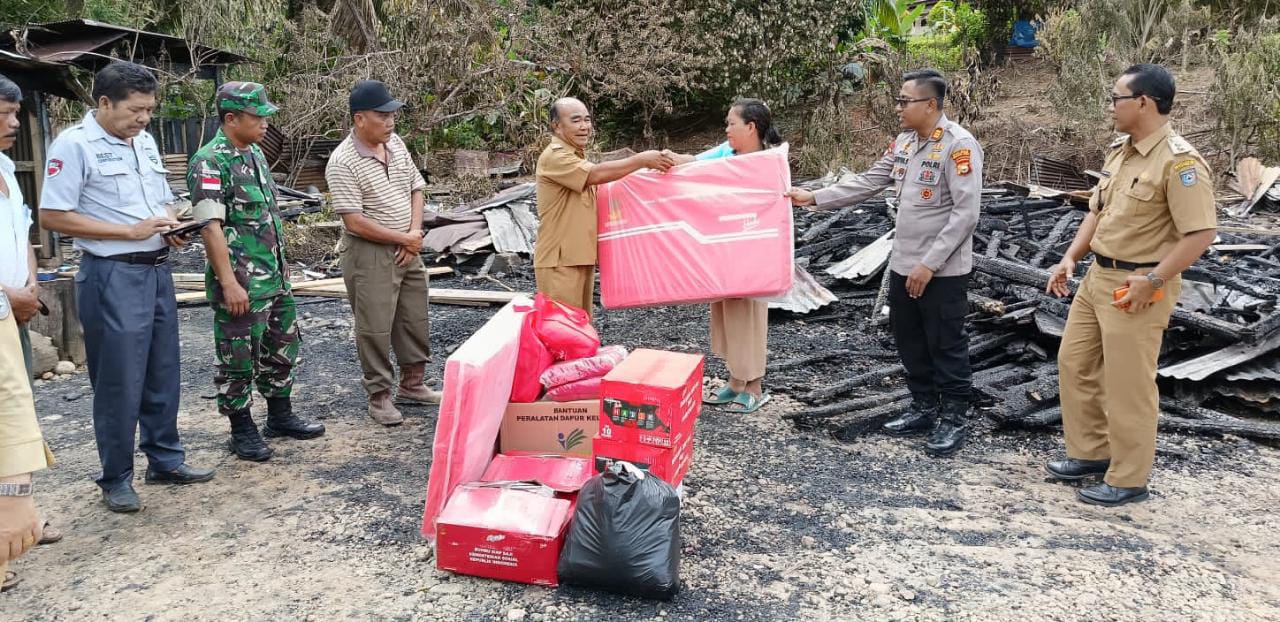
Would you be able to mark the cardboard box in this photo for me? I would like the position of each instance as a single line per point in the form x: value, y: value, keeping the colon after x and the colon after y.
x: 500, y: 533
x: 669, y: 464
x: 550, y: 427
x: 653, y: 398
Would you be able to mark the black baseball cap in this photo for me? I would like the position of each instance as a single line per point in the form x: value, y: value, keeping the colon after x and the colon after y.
x: 373, y: 95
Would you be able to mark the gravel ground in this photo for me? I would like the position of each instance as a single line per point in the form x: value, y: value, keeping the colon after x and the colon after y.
x: 779, y: 524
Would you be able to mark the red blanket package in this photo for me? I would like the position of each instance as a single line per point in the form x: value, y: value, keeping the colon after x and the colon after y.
x: 700, y: 232
x: 581, y: 369
x: 588, y: 389
x: 533, y: 360
x: 565, y: 329
x: 477, y: 382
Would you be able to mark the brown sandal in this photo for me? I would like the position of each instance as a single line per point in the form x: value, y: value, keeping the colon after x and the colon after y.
x: 50, y: 534
x: 11, y: 580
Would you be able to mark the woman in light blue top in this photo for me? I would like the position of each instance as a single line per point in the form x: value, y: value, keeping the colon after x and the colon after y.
x: 740, y: 326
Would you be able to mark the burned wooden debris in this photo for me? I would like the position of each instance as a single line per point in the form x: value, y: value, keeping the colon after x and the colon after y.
x: 1219, y: 368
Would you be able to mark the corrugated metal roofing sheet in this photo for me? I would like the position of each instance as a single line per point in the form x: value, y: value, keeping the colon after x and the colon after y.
x: 805, y: 295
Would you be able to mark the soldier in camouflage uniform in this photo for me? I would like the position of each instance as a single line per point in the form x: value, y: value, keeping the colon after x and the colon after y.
x: 255, y: 335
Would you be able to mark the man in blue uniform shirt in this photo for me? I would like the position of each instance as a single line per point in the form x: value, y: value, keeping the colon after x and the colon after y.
x: 105, y: 186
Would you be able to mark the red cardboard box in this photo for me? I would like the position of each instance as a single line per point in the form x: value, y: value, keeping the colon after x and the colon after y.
x: 669, y: 464
x: 563, y: 474
x: 500, y: 533
x: 653, y: 398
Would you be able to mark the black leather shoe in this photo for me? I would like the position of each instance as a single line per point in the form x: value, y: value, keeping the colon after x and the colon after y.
x: 122, y: 499
x: 282, y: 422
x: 1111, y: 496
x: 181, y: 475
x: 1070, y: 469
x: 918, y: 419
x: 949, y: 434
x: 246, y: 443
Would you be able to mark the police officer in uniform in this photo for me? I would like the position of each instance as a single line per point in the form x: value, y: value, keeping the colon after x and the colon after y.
x: 105, y: 185
x: 935, y: 168
x: 564, y: 257
x: 1150, y: 217
x: 254, y: 316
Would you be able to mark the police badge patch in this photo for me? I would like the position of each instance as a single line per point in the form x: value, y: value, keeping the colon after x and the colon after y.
x: 1188, y: 177
x: 963, y: 159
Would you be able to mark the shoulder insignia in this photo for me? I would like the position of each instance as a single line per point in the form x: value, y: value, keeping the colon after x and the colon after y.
x: 1179, y: 144
x: 892, y: 144
x: 55, y: 167
x: 556, y: 146
x: 1119, y: 141
x: 963, y: 159
x: 937, y: 134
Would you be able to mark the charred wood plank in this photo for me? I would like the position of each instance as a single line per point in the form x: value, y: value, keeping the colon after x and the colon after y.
x: 806, y: 360
x: 1051, y: 241
x: 834, y: 242
x: 849, y: 406
x: 1237, y: 427
x: 1035, y: 277
x: 840, y: 388
x: 993, y: 247
x: 977, y: 350
x: 870, y: 420
x: 822, y: 227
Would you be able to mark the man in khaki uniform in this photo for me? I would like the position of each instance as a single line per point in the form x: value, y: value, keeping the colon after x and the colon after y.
x: 22, y: 448
x: 1150, y: 218
x: 564, y: 258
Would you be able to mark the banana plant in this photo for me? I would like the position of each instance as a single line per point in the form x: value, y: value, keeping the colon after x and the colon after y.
x: 891, y: 20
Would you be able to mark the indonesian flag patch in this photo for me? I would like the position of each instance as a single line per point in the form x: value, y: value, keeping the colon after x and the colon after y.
x: 210, y: 179
x: 55, y: 167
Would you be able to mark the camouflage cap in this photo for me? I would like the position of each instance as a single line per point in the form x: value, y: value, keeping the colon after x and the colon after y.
x: 250, y: 97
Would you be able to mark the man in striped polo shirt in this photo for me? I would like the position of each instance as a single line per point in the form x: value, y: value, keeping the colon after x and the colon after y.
x: 377, y: 190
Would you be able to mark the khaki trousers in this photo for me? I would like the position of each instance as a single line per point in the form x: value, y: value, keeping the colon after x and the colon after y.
x: 1107, y: 376
x: 390, y: 307
x: 740, y: 334
x: 572, y: 285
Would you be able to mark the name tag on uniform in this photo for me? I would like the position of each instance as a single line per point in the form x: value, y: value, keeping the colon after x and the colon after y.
x: 933, y: 164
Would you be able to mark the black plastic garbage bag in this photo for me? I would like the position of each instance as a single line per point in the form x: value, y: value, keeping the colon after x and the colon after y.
x: 625, y: 535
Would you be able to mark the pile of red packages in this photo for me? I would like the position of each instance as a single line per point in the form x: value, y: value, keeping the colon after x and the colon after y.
x: 505, y: 516
x: 560, y: 354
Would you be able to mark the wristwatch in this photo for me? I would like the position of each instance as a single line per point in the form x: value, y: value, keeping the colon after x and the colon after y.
x: 10, y: 489
x: 1155, y: 280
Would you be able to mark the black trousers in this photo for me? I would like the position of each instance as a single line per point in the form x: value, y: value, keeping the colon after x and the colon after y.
x: 933, y: 342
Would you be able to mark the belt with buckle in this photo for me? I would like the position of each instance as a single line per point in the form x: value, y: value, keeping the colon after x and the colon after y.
x: 149, y: 258
x: 1116, y: 264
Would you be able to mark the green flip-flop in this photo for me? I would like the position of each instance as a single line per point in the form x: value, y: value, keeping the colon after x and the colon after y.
x: 746, y: 403
x: 725, y: 395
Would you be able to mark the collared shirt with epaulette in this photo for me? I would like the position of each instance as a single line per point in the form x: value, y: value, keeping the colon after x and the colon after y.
x: 567, y: 225
x: 236, y: 187
x: 1152, y: 193
x: 109, y: 179
x: 938, y: 182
